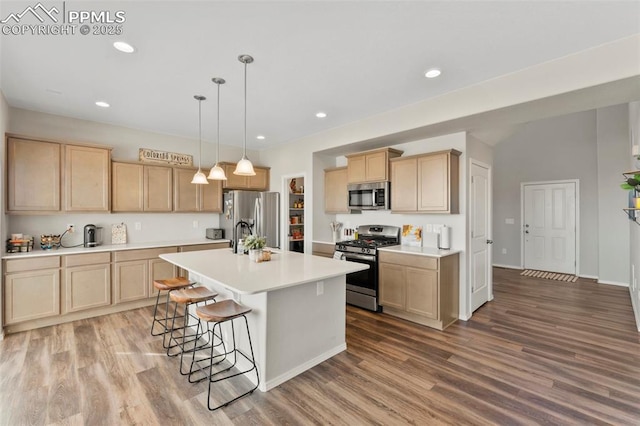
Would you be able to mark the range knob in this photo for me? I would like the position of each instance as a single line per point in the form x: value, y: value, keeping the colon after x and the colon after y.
x: 366, y: 250
x: 341, y: 247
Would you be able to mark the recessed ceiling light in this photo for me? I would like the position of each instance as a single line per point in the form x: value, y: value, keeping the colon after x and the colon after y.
x: 432, y: 73
x: 321, y: 114
x: 124, y: 47
x: 103, y: 104
x: 260, y: 137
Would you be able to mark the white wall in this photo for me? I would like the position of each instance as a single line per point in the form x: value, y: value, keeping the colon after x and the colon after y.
x: 125, y: 143
x: 592, y: 146
x: 634, y: 228
x: 613, y: 159
x: 552, y: 149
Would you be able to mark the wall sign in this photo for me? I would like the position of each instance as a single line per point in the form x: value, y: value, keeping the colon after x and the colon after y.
x: 153, y: 156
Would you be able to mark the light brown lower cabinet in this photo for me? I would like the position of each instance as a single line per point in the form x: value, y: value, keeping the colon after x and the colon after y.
x: 31, y: 289
x: 419, y: 288
x: 322, y: 249
x: 87, y: 281
x: 184, y: 249
x: 48, y: 290
x: 135, y: 270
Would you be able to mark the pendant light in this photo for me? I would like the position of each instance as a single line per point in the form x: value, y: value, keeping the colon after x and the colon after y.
x: 244, y: 166
x: 217, y: 172
x: 200, y: 178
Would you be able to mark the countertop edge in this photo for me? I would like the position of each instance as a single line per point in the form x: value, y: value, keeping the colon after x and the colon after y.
x: 170, y: 257
x: 108, y: 248
x: 419, y: 251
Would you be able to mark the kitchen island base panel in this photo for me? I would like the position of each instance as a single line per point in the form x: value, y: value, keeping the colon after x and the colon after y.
x: 293, y: 329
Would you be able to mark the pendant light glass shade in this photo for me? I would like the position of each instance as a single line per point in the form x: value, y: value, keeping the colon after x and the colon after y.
x: 200, y: 178
x: 244, y: 166
x: 217, y: 172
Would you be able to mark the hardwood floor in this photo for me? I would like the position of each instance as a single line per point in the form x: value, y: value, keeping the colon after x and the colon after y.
x: 543, y: 352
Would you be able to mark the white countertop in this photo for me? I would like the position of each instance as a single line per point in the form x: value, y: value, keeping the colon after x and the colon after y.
x: 420, y: 251
x: 322, y: 242
x: 285, y: 269
x: 37, y: 252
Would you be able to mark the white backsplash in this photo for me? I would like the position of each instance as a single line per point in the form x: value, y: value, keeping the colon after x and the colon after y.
x: 154, y: 227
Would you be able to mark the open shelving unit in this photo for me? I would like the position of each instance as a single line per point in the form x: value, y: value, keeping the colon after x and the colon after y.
x: 296, y: 214
x: 632, y: 212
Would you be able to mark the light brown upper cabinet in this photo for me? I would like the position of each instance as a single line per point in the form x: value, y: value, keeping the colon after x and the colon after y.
x: 370, y: 166
x: 335, y: 190
x: 426, y: 183
x: 259, y: 182
x: 87, y: 178
x: 158, y: 189
x: 33, y: 175
x: 189, y: 197
x: 35, y: 178
x: 128, y: 187
x: 138, y: 188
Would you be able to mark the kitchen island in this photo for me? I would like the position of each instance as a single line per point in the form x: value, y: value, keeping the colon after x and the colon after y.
x: 298, y: 302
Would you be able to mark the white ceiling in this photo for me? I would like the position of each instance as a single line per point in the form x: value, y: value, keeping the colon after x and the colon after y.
x: 349, y: 59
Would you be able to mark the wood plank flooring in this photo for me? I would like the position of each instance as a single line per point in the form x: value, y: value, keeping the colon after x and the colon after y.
x: 543, y: 352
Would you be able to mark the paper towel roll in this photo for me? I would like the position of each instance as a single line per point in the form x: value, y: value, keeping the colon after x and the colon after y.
x: 445, y: 237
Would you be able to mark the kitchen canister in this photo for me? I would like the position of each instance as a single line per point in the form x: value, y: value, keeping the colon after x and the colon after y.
x: 445, y: 238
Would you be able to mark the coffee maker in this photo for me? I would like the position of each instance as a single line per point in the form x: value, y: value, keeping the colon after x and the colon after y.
x: 92, y: 235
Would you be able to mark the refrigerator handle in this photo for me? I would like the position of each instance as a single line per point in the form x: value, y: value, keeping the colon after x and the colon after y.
x: 256, y: 217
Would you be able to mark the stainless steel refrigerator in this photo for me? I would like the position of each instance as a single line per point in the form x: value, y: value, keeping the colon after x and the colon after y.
x: 251, y: 212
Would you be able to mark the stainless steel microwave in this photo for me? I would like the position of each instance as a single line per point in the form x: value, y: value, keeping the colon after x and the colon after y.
x: 369, y: 196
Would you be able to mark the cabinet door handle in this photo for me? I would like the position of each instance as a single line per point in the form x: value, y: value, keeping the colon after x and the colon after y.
x: 489, y: 241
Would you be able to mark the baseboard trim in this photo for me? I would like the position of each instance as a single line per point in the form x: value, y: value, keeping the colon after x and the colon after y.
x: 616, y: 283
x: 589, y: 277
x: 497, y: 265
x: 302, y: 368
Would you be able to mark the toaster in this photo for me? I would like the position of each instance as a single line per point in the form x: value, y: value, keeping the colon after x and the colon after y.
x: 214, y: 234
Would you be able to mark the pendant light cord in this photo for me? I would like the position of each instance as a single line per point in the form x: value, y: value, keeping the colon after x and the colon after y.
x: 200, y: 132
x: 244, y: 151
x: 218, y: 142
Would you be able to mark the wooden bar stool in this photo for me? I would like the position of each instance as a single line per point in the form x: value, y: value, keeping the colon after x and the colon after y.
x: 187, y: 297
x: 168, y: 285
x: 219, y: 313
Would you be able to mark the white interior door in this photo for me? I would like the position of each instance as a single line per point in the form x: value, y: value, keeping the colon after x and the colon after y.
x: 480, y: 232
x: 549, y: 226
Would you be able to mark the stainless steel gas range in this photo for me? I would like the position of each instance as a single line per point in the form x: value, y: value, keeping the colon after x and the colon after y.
x: 362, y: 287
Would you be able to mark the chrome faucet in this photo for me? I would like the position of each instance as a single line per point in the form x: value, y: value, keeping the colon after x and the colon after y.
x: 242, y: 224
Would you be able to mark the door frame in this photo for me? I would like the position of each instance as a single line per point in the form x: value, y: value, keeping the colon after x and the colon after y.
x: 576, y: 182
x: 489, y: 168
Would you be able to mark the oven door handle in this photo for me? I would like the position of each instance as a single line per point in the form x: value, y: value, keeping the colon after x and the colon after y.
x: 364, y: 257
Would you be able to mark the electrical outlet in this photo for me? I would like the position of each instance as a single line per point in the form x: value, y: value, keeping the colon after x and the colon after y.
x: 70, y: 228
x: 138, y: 226
x: 320, y: 288
x: 504, y: 251
x: 195, y: 223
